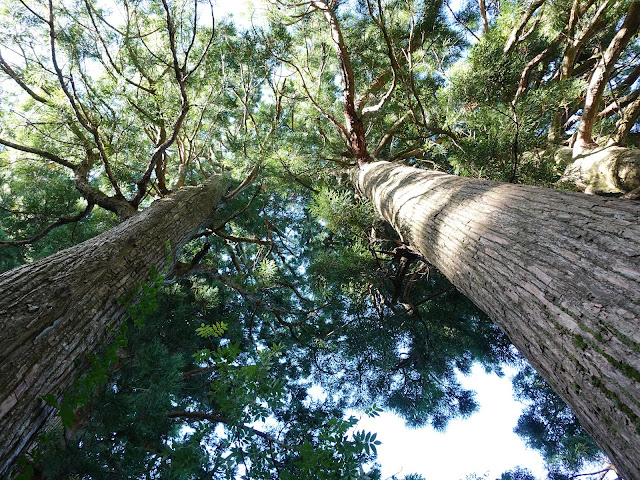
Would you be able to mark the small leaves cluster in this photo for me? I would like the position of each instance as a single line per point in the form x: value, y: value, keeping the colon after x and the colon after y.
x: 207, y: 295
x: 335, y: 455
x: 246, y: 392
x: 339, y: 208
x: 367, y: 441
x: 267, y: 271
x: 215, y: 330
x: 373, y: 411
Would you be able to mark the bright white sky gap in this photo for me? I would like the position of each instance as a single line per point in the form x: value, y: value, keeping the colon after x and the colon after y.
x: 482, y: 444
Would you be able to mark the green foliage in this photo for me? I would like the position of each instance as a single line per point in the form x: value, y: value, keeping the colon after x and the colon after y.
x: 32, y: 196
x: 517, y: 474
x: 548, y: 425
x: 338, y: 209
x: 267, y: 271
x: 373, y: 411
x: 406, y: 358
x: 125, y: 423
x: 329, y: 295
x: 215, y: 330
x: 205, y: 294
x: 334, y: 456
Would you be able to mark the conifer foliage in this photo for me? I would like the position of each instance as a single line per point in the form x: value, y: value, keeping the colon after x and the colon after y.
x: 282, y: 280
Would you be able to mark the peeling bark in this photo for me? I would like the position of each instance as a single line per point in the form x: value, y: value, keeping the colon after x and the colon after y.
x: 352, y: 119
x: 558, y: 271
x: 59, y: 310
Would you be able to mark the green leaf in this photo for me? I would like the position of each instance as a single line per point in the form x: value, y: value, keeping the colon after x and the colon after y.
x: 66, y: 415
x: 51, y: 399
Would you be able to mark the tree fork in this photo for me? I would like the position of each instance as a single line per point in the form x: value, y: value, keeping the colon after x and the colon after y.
x: 60, y: 309
x: 558, y: 271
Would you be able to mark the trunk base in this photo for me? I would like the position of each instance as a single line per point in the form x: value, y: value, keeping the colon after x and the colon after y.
x: 602, y: 170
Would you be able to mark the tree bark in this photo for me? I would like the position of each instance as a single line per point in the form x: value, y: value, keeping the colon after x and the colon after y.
x: 601, y: 171
x: 483, y: 14
x: 59, y: 310
x: 558, y: 271
x: 627, y: 120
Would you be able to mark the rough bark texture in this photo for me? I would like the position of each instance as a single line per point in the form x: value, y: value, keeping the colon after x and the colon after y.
x: 558, y: 271
x: 603, y: 170
x: 57, y: 311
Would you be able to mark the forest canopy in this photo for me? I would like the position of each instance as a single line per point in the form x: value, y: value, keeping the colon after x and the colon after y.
x: 294, y: 279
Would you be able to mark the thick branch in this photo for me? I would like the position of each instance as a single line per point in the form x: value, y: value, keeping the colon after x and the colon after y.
x: 389, y: 134
x: 42, y: 153
x: 6, y: 68
x: 415, y: 41
x: 58, y: 223
x: 79, y: 110
x: 245, y: 183
x: 354, y: 121
x: 575, y: 43
x: 232, y: 238
x: 116, y: 204
x: 392, y: 58
x: 483, y: 14
x: 517, y: 30
x: 618, y: 104
x: 180, y: 75
x: 627, y: 120
x: 601, y: 75
x: 296, y: 178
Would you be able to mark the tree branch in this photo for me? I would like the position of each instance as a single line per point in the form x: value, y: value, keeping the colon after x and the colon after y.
x: 601, y: 75
x: 41, y: 153
x: 6, y: 68
x: 296, y: 178
x: 232, y: 238
x: 180, y: 75
x: 195, y: 416
x: 79, y: 110
x: 58, y: 223
x: 517, y: 30
x: 245, y: 183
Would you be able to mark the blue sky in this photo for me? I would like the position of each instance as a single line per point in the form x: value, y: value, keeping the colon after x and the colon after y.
x: 482, y: 444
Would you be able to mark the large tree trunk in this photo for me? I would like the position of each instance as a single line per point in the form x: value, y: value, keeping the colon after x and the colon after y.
x: 558, y: 271
x: 58, y: 311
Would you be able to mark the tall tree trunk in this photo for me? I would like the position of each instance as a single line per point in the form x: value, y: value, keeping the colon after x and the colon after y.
x: 558, y: 271
x: 58, y: 311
